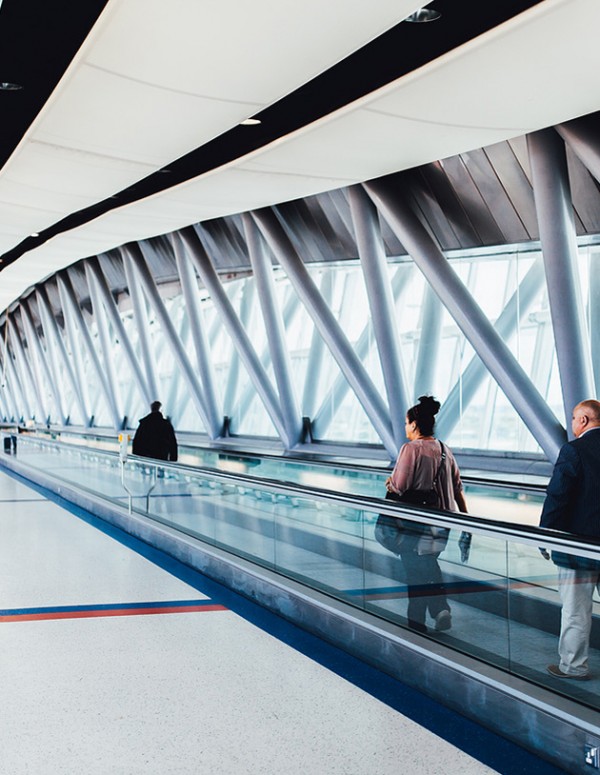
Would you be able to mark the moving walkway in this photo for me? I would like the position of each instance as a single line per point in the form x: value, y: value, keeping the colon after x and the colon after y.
x: 310, y: 554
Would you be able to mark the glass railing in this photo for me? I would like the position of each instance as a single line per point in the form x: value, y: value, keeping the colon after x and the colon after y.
x: 514, y: 502
x: 503, y: 599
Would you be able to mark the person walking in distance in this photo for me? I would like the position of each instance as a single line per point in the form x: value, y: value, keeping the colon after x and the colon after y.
x: 155, y: 436
x: 573, y: 505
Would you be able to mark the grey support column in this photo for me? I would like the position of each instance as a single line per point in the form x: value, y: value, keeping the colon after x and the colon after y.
x: 316, y: 353
x: 328, y: 326
x: 496, y: 356
x: 143, y: 325
x: 210, y: 279
x: 583, y: 137
x: 24, y: 370
x: 594, y: 311
x: 429, y: 343
x: 43, y: 359
x: 17, y: 389
x: 94, y: 270
x: 62, y: 356
x: 187, y: 370
x: 53, y: 358
x: 191, y: 295
x: 74, y: 346
x: 8, y: 396
x: 104, y: 338
x: 73, y: 314
x: 263, y: 272
x: 248, y: 393
x: 381, y: 304
x: 323, y: 417
x: 554, y: 209
x: 29, y: 363
x: 475, y: 372
x: 233, y: 375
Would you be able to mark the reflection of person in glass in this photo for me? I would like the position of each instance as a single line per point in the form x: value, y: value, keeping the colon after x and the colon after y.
x: 573, y: 504
x: 421, y: 464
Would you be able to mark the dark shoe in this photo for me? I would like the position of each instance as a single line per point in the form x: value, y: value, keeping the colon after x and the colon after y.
x: 443, y: 621
x: 417, y: 626
x: 556, y: 671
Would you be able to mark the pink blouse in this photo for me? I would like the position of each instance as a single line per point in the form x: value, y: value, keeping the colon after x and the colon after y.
x: 417, y: 465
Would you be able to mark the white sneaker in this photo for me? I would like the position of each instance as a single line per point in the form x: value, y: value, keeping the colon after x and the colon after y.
x: 443, y: 621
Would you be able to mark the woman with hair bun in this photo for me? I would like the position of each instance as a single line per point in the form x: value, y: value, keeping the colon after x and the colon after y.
x: 426, y: 467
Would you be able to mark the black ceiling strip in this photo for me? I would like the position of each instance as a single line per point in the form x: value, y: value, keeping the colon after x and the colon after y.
x: 38, y: 40
x: 397, y: 52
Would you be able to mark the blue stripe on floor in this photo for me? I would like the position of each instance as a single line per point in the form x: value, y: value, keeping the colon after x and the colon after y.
x: 104, y: 607
x: 480, y: 743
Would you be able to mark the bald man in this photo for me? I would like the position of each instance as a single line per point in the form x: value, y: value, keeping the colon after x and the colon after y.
x: 573, y: 505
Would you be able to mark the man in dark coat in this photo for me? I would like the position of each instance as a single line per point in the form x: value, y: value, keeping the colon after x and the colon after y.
x: 155, y: 436
x: 573, y: 504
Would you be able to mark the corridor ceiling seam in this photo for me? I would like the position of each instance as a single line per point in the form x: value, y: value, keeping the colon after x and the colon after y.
x: 266, y: 174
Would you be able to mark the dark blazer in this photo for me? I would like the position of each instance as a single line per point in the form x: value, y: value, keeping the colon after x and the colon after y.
x: 573, y: 495
x: 155, y: 438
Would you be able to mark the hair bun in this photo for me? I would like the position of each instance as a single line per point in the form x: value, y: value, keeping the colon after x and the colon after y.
x: 429, y: 405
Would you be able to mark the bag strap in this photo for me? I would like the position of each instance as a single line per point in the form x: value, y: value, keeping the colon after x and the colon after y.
x: 438, y: 472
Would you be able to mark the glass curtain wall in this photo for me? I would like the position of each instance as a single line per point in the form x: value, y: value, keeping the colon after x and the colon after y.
x: 435, y: 356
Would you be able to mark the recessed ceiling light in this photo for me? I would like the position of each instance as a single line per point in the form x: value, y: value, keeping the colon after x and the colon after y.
x: 423, y: 15
x: 250, y: 122
x: 6, y: 86
x: 34, y: 234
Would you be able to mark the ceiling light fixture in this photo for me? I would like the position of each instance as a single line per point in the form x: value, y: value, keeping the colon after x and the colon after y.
x: 423, y: 15
x: 35, y: 234
x: 6, y: 86
x: 250, y: 122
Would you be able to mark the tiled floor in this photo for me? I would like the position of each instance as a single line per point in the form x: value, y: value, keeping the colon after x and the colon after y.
x: 97, y: 676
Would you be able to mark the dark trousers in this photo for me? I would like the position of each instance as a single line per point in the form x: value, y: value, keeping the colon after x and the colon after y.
x: 424, y: 583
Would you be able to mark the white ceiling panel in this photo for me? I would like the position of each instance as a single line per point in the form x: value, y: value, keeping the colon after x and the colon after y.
x: 60, y: 175
x: 234, y: 49
x: 537, y: 69
x: 135, y: 121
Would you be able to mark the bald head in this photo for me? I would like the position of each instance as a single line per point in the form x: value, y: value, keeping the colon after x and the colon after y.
x: 586, y: 415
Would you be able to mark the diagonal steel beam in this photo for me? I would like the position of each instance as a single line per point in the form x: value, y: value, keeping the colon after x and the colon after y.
x: 248, y: 393
x: 187, y: 370
x: 554, y: 209
x: 21, y: 356
x: 53, y: 359
x: 328, y: 326
x: 142, y: 322
x: 429, y: 343
x: 17, y: 390
x: 335, y: 395
x: 583, y: 137
x: 191, y: 295
x: 381, y: 304
x: 74, y: 346
x: 23, y: 369
x: 239, y: 337
x: 95, y: 273
x: 469, y: 317
x: 61, y: 355
x: 316, y: 353
x: 74, y: 316
x: 475, y: 372
x: 278, y: 348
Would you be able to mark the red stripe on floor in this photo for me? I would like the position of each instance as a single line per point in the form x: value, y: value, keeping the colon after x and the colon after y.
x: 113, y: 612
